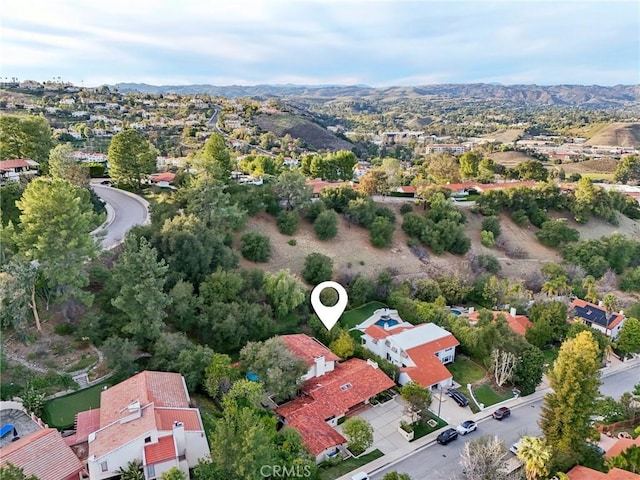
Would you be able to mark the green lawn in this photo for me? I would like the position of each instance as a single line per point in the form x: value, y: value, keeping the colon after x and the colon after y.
x: 421, y: 429
x: 333, y: 472
x: 466, y: 371
x: 353, y: 317
x: 485, y: 394
x: 61, y: 412
x: 550, y: 355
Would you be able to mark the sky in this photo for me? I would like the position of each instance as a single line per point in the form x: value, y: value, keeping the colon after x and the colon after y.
x: 319, y: 42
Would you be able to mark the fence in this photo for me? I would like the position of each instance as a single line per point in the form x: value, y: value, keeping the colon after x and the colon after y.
x: 618, y: 425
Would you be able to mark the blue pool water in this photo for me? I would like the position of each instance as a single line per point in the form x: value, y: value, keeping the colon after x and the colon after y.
x: 387, y: 323
x: 455, y: 311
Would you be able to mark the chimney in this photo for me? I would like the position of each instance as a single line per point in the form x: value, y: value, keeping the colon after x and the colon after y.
x: 472, y: 309
x: 512, y: 312
x: 179, y: 438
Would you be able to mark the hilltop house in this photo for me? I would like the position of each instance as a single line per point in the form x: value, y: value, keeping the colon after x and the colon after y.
x: 421, y: 351
x: 596, y: 316
x: 517, y: 323
x: 147, y: 419
x: 331, y: 390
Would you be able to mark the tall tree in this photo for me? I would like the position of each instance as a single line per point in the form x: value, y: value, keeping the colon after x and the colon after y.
x: 469, y: 162
x: 373, y: 182
x: 628, y: 340
x: 218, y: 375
x: 628, y: 169
x: 504, y: 364
x: 131, y: 158
x: 140, y: 278
x: 567, y: 410
x: 18, y: 295
x: 359, y: 433
x: 11, y: 472
x: 55, y: 227
x: 536, y: 455
x: 25, y: 137
x: 215, y: 160
x: 483, y: 459
x: 63, y: 166
x: 417, y: 397
x: 292, y: 188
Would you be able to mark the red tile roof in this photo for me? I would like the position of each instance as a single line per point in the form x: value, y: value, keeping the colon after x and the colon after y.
x: 307, y: 348
x: 6, y: 165
x: 163, y: 177
x: 165, y: 417
x: 319, y: 185
x: 44, y: 454
x: 584, y: 473
x: 377, y: 332
x: 86, y: 422
x: 621, y: 445
x: 162, y: 451
x: 429, y: 370
x: 407, y: 189
x: 331, y: 395
x: 517, y: 323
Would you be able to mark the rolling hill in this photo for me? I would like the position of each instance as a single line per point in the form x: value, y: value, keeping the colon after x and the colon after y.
x: 621, y: 134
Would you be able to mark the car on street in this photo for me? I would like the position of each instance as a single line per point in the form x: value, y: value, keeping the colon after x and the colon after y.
x: 514, y: 448
x: 458, y: 397
x: 449, y: 435
x: 106, y: 182
x: 467, y: 427
x: 501, y: 413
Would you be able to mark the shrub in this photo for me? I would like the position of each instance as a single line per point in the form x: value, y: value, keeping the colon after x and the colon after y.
x: 292, y: 242
x: 485, y: 263
x: 386, y: 213
x: 486, y: 238
x: 381, y: 233
x: 64, y: 329
x: 288, y: 222
x: 630, y: 281
x: 359, y: 433
x: 519, y: 217
x: 556, y: 232
x: 492, y: 224
x: 405, y: 208
x: 315, y: 209
x: 255, y: 247
x: 413, y: 224
x: 326, y: 225
x: 317, y: 268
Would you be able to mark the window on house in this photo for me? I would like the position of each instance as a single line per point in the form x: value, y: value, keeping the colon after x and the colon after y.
x: 346, y: 386
x: 151, y: 471
x: 104, y: 467
x: 147, y: 440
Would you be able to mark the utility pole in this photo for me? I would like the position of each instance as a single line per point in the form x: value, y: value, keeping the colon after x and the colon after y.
x: 439, y: 398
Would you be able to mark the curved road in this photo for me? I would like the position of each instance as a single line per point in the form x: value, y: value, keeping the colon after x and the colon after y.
x: 125, y: 210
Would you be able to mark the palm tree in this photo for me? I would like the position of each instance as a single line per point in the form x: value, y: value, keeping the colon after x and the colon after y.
x: 589, y: 285
x: 132, y: 472
x: 536, y: 455
x: 556, y: 286
x: 610, y: 304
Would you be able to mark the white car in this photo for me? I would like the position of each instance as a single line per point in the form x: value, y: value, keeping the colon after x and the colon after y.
x: 514, y: 448
x: 467, y: 427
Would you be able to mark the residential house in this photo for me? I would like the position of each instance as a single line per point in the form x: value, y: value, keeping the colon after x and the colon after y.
x: 44, y: 454
x: 517, y: 323
x: 596, y: 316
x: 620, y: 446
x: 163, y: 180
x: 446, y: 148
x: 585, y: 473
x: 421, y: 351
x: 147, y: 419
x: 331, y: 390
x: 13, y: 170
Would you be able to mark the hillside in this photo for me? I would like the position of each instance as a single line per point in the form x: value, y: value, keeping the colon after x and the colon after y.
x: 588, y: 96
x: 619, y: 134
x: 314, y: 135
x: 510, y: 159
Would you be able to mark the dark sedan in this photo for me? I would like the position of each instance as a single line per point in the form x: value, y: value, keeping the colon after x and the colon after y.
x: 449, y: 435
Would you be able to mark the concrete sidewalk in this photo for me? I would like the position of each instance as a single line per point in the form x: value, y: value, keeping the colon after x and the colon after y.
x: 410, y: 448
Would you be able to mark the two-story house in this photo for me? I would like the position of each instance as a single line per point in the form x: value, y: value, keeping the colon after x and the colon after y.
x: 421, y: 351
x: 331, y: 390
x: 596, y: 316
x: 147, y: 419
x: 13, y: 170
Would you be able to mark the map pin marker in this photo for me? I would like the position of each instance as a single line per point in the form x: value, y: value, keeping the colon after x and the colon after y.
x: 329, y: 315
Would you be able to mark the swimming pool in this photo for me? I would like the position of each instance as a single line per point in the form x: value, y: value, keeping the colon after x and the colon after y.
x: 455, y: 311
x: 386, y: 323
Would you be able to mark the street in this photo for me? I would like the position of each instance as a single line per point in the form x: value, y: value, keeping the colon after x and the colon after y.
x: 438, y: 462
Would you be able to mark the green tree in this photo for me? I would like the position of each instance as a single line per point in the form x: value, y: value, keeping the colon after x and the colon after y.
x: 140, y: 278
x: 359, y: 433
x: 630, y: 281
x: 338, y: 198
x: 469, y: 162
x: 555, y: 233
x: 33, y: 399
x: 529, y: 369
x: 173, y: 474
x: 418, y: 399
x: 549, y: 323
x: 131, y: 158
x: 255, y: 246
x: 25, y: 137
x: 56, y: 222
x: 63, y: 166
x: 326, y: 225
x: 132, y: 472
x: 318, y: 268
x: 567, y: 410
x: 284, y: 292
x: 218, y: 375
x: 288, y: 222
x: 121, y: 354
x: 214, y: 160
x: 276, y: 367
x: 10, y: 472
x: 628, y: 460
x: 361, y: 290
x: 628, y: 340
x: 381, y: 232
x: 192, y: 363
x: 344, y: 345
x: 292, y: 189
x: 375, y: 181
x: 536, y: 455
x: 628, y: 169
x: 487, y: 239
x: 18, y: 295
x: 492, y: 224
x: 443, y: 168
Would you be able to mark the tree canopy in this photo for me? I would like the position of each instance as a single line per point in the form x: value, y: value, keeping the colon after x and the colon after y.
x: 131, y: 158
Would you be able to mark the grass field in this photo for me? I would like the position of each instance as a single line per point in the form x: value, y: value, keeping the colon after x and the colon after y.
x: 466, y: 371
x: 485, y: 394
x: 61, y: 412
x: 331, y: 473
x: 353, y: 317
x: 422, y: 428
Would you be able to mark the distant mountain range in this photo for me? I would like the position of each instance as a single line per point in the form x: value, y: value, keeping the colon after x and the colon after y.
x: 593, y: 96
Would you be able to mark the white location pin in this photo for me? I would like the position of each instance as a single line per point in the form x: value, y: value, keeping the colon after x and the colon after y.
x: 329, y: 315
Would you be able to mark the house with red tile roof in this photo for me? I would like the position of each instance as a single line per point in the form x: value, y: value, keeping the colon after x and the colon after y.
x: 43, y: 453
x: 596, y: 316
x: 164, y: 179
x: 421, y: 351
x: 147, y: 419
x: 13, y: 170
x: 621, y: 445
x: 517, y: 323
x: 331, y: 391
x: 585, y: 473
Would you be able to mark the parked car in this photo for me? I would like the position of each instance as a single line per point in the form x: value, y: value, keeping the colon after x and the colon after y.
x: 502, y: 412
x: 458, y: 397
x: 106, y: 182
x: 514, y: 448
x: 360, y: 476
x: 449, y: 435
x: 467, y: 427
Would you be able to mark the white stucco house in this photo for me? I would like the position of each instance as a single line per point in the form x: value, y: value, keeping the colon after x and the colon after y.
x: 146, y: 418
x: 421, y: 351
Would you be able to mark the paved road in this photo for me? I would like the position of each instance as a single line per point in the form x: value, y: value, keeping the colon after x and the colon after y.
x: 126, y: 211
x: 437, y: 462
